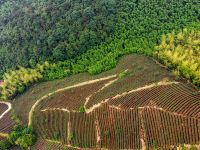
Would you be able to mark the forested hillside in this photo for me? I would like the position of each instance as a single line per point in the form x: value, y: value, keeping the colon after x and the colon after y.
x: 34, y: 31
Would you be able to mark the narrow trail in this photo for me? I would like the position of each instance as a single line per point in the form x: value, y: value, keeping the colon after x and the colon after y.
x: 63, y: 109
x: 125, y: 93
x: 63, y: 89
x: 142, y: 132
x: 144, y: 88
x: 8, y: 109
x: 106, y: 85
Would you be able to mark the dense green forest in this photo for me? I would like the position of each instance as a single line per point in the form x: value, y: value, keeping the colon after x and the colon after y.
x: 82, y: 36
x: 34, y: 31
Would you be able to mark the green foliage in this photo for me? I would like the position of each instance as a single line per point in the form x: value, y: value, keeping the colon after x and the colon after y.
x: 181, y: 52
x: 15, y: 82
x: 22, y: 136
x: 35, y: 31
x: 193, y: 148
x: 5, y: 145
x: 82, y: 109
x: 123, y: 74
x: 56, y: 136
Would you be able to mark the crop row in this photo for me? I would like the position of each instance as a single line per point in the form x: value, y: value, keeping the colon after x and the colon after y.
x: 112, y: 128
x: 73, y: 98
x: 175, y: 97
x: 119, y: 129
x: 135, y: 77
x: 6, y: 123
x: 82, y: 130
x: 3, y: 108
x: 163, y: 129
x: 49, y: 145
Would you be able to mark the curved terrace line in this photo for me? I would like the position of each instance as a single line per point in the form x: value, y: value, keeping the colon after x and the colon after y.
x: 63, y: 89
x: 8, y: 109
x: 125, y: 93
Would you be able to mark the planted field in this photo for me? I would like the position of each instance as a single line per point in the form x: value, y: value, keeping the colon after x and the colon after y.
x: 23, y: 103
x: 3, y: 107
x: 136, y: 64
x: 82, y: 130
x: 118, y: 129
x: 52, y: 125
x: 164, y: 129
x: 73, y: 98
x: 49, y: 145
x: 178, y: 98
x: 105, y: 128
x: 6, y: 123
x: 141, y: 71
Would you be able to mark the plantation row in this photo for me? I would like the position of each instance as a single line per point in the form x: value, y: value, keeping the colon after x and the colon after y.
x: 177, y: 98
x: 118, y: 129
x: 6, y: 123
x: 112, y: 128
x: 163, y: 129
x: 135, y: 77
x: 3, y: 108
x: 49, y: 145
x: 74, y: 98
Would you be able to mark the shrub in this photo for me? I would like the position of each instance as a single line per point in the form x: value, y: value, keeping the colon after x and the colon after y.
x: 82, y: 109
x: 22, y: 136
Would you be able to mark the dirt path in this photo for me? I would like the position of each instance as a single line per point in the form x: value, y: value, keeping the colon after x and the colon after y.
x: 142, y: 132
x: 8, y: 109
x: 63, y: 89
x: 125, y: 93
x: 106, y: 85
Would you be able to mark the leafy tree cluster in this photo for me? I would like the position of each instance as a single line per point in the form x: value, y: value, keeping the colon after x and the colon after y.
x: 15, y: 82
x: 22, y: 136
x: 33, y: 31
x: 181, y: 52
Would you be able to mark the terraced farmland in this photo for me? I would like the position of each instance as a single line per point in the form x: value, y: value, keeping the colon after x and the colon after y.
x: 49, y: 145
x: 112, y: 128
x: 6, y: 122
x: 3, y: 108
x: 74, y: 98
x: 140, y: 72
x: 119, y: 129
x: 178, y: 98
x: 163, y: 129
x: 123, y: 110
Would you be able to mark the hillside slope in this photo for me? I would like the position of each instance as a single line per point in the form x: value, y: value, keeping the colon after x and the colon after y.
x: 158, y: 101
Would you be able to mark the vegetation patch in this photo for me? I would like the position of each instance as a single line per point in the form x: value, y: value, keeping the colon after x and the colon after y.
x: 181, y: 52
